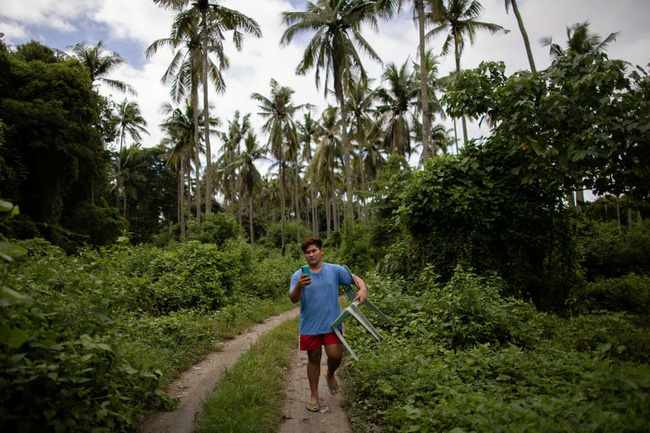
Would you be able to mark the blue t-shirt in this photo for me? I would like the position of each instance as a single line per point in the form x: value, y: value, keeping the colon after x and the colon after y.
x: 319, y: 305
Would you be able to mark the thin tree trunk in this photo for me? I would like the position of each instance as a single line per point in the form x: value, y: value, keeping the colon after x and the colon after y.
x: 197, y: 144
x: 282, y: 206
x: 251, y: 230
x: 206, y: 122
x: 297, y: 205
x: 629, y: 217
x: 338, y: 88
x: 424, y: 93
x: 457, y: 55
x: 327, y: 216
x: 524, y: 35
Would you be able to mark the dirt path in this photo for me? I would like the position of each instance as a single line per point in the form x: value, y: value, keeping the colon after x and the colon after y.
x: 297, y: 419
x: 199, y: 380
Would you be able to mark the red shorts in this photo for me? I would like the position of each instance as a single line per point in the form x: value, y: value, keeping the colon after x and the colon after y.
x: 311, y: 342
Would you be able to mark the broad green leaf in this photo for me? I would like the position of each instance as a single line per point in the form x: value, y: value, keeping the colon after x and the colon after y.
x: 16, y: 338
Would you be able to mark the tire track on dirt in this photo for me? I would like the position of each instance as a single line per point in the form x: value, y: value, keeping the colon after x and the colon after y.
x: 195, y: 383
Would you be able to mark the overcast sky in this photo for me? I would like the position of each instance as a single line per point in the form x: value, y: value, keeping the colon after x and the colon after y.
x: 129, y: 26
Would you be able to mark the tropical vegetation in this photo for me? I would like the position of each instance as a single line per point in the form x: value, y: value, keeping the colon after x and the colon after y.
x: 518, y: 305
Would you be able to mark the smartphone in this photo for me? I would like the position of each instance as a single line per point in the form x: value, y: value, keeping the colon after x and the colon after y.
x: 305, y: 270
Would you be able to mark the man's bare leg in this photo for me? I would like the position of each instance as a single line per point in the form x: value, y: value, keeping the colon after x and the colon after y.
x: 313, y: 373
x: 334, y: 355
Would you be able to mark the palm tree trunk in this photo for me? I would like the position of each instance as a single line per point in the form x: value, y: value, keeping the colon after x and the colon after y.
x: 181, y: 195
x: 424, y: 94
x: 297, y: 205
x: 251, y: 230
x: 338, y: 87
x: 457, y: 56
x: 206, y: 118
x: 197, y: 144
x: 282, y: 185
x: 328, y: 216
x: 524, y: 35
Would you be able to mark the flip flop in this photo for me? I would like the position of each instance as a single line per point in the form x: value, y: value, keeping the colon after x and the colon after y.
x: 315, y: 406
x: 333, y: 389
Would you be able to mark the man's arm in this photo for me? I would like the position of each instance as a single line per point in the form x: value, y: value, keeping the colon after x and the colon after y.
x: 296, y: 294
x: 362, y: 294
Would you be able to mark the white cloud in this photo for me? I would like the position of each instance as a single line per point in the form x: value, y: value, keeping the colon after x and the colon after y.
x: 59, y: 15
x: 140, y: 22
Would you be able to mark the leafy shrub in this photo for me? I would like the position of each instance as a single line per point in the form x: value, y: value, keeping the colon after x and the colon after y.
x: 612, y: 334
x: 100, y: 226
x: 613, y: 251
x: 216, y: 228
x: 629, y: 293
x: 197, y: 276
x: 61, y: 363
x: 273, y: 237
x: 464, y: 358
x: 269, y: 274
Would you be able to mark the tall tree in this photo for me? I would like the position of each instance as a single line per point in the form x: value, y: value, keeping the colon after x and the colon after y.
x: 336, y: 25
x: 309, y: 132
x: 215, y: 20
x: 395, y: 103
x: 422, y: 15
x: 278, y: 109
x: 251, y: 177
x: 100, y: 63
x: 179, y: 130
x: 184, y: 72
x: 459, y: 19
x: 129, y: 121
x: 524, y: 34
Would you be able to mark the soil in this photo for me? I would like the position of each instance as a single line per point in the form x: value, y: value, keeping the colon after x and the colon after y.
x: 331, y: 418
x: 193, y: 385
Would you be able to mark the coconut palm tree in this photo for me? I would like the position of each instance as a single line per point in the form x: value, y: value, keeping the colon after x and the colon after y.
x: 183, y: 73
x: 360, y: 102
x: 336, y: 26
x: 180, y: 135
x: 278, y: 109
x: 129, y: 121
x: 325, y: 163
x: 250, y: 175
x: 309, y: 131
x: 423, y: 10
x: 580, y: 40
x: 524, y: 34
x: 132, y: 177
x: 459, y: 19
x: 238, y: 128
x: 100, y: 63
x: 396, y: 103
x: 215, y: 20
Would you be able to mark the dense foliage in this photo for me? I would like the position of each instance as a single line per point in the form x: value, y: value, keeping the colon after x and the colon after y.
x: 464, y: 356
x: 91, y: 337
x: 53, y: 158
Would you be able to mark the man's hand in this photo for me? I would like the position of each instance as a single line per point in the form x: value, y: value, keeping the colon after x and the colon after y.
x: 303, y: 280
x: 362, y: 294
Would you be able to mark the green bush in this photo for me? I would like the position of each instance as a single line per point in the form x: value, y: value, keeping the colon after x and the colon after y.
x: 85, y: 345
x: 273, y: 237
x: 610, y: 250
x: 269, y: 274
x: 629, y: 293
x: 62, y: 367
x: 216, y: 228
x: 462, y: 357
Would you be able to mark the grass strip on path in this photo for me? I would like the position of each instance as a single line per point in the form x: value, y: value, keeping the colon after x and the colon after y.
x: 250, y: 396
